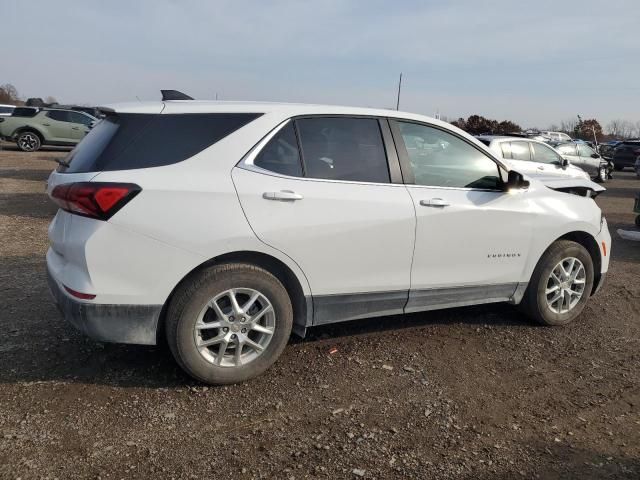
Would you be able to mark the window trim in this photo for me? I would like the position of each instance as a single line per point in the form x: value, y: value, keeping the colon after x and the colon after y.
x: 391, y: 153
x: 405, y: 162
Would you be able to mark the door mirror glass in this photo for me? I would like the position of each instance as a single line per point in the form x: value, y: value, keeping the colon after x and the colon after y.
x: 515, y: 181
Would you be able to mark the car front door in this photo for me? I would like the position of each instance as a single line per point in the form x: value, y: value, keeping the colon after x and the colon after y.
x: 570, y: 152
x: 57, y: 126
x: 79, y: 125
x: 323, y: 191
x: 547, y: 160
x: 472, y: 237
x: 589, y: 159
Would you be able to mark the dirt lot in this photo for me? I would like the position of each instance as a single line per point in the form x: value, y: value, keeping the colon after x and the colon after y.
x: 466, y: 393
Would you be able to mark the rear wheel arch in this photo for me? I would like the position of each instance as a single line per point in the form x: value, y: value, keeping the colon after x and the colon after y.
x: 20, y: 130
x: 301, y: 304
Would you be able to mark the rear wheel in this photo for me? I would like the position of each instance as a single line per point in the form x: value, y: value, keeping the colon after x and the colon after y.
x: 229, y: 323
x: 560, y: 285
x: 28, y: 141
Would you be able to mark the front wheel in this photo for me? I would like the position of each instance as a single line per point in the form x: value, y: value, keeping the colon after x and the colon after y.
x: 229, y: 323
x: 28, y: 141
x: 560, y: 285
x: 602, y: 176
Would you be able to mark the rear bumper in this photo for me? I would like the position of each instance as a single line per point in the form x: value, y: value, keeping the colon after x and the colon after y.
x: 135, y: 324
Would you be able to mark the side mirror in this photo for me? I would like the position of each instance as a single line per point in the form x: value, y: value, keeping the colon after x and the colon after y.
x: 564, y: 162
x: 515, y: 181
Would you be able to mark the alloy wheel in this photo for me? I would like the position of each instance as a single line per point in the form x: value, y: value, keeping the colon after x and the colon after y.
x: 28, y: 142
x: 565, y: 285
x: 235, y: 327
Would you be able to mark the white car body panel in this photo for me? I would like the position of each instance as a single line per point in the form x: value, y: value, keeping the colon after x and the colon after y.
x: 340, y: 239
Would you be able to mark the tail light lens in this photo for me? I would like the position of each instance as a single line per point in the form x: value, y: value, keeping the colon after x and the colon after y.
x: 99, y: 200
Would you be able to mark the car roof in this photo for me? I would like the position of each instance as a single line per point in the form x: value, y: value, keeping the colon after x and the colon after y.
x: 290, y: 109
x: 505, y: 138
x: 7, y: 105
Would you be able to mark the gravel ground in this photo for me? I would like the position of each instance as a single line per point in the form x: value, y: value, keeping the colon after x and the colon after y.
x: 464, y: 393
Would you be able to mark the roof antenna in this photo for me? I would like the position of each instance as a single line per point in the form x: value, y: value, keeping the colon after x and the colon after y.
x: 174, y: 95
x: 399, y: 88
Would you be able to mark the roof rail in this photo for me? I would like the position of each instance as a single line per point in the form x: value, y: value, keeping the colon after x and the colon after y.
x: 174, y: 95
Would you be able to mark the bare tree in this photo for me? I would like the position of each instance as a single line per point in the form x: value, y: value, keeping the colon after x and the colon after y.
x: 9, y: 94
x: 569, y: 125
x: 50, y: 99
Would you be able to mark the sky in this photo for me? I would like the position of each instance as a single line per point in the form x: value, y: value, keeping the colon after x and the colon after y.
x: 536, y: 63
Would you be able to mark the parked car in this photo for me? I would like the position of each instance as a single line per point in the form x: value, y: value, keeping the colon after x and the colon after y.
x: 6, y: 110
x: 637, y: 166
x: 32, y: 127
x: 585, y: 157
x: 531, y: 157
x: 625, y: 154
x: 225, y: 226
x: 556, y: 136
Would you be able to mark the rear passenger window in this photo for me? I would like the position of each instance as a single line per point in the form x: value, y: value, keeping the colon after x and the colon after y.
x: 343, y: 149
x: 520, y: 151
x: 506, y: 150
x: 59, y: 115
x: 281, y: 155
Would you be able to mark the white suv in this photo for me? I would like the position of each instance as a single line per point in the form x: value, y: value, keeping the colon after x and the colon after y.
x: 222, y: 227
x: 532, y: 157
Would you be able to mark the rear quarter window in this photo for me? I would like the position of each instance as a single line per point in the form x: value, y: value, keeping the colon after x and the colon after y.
x: 129, y: 141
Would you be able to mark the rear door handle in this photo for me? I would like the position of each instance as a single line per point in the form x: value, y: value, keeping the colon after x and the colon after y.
x: 282, y: 196
x: 75, y: 128
x: 434, y: 202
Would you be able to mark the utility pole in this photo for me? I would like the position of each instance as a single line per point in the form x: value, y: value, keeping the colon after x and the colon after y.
x: 399, y: 88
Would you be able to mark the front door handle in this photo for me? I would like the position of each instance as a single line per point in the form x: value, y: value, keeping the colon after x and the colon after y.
x: 540, y: 167
x: 434, y: 202
x: 46, y: 124
x: 75, y: 128
x: 282, y: 196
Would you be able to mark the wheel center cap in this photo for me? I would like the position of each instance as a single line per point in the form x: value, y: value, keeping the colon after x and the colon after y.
x: 235, y: 328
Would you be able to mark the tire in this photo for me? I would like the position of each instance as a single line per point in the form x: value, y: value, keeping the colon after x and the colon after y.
x: 196, y: 296
x: 29, y: 141
x: 638, y: 221
x: 602, y: 176
x: 535, y: 301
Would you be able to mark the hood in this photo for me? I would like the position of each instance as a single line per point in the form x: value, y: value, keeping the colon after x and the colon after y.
x: 578, y: 186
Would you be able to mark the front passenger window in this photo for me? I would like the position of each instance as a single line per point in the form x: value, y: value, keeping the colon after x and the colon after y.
x: 543, y: 154
x: 440, y: 159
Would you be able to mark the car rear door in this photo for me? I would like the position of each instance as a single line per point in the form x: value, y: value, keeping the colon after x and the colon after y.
x: 327, y: 192
x: 472, y: 237
x: 79, y: 125
x: 57, y: 126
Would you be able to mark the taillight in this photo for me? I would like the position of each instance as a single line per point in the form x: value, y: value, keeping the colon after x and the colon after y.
x: 99, y: 200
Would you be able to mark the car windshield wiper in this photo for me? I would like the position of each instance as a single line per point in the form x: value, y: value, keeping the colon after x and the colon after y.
x: 61, y: 162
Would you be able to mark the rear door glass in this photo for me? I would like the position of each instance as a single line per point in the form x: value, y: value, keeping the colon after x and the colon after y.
x: 131, y: 140
x: 343, y: 148
x: 520, y: 151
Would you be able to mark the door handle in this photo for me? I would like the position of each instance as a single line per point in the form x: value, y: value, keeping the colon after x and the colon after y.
x: 75, y: 128
x: 540, y: 167
x: 282, y: 196
x: 434, y: 202
x: 46, y: 124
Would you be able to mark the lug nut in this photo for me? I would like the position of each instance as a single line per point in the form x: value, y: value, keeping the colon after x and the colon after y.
x: 225, y: 329
x: 242, y: 319
x: 233, y: 335
x: 231, y: 319
x: 244, y: 330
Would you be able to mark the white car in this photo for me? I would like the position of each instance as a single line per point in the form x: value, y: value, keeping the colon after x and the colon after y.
x: 225, y: 226
x: 532, y: 157
x: 557, y: 136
